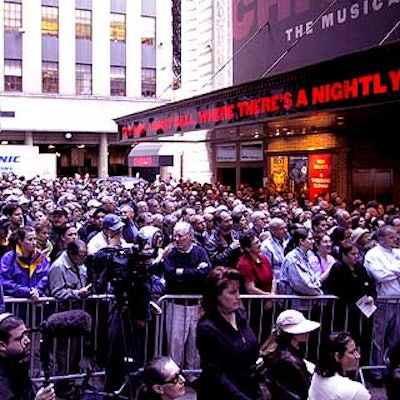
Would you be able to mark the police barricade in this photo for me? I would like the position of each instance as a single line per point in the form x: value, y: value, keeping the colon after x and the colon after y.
x: 89, y: 347
x: 386, y: 334
x: 177, y: 323
x: 184, y: 310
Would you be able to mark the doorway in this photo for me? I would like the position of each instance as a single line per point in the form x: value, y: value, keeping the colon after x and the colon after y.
x: 227, y: 176
x: 373, y: 184
x: 252, y: 176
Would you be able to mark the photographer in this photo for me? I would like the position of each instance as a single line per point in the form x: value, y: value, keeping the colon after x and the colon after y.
x: 109, y: 236
x: 15, y: 383
x: 129, y: 272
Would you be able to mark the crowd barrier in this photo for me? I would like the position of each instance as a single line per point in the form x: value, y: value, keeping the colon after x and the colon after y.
x: 262, y: 311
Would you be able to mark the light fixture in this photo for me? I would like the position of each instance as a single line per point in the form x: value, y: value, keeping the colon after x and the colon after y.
x: 51, y: 146
x: 4, y: 142
x: 68, y: 135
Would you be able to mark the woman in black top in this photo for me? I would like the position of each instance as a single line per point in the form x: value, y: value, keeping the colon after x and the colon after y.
x: 227, y: 346
x: 287, y: 373
x: 349, y: 280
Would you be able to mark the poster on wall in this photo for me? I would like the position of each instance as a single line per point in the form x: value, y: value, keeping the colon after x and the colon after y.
x: 298, y: 174
x: 320, y: 174
x: 278, y: 168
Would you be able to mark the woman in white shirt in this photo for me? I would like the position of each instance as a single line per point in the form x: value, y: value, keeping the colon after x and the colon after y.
x: 329, y: 381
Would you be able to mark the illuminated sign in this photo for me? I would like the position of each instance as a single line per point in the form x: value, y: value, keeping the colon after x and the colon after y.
x: 146, y: 161
x: 320, y: 174
x: 322, y: 96
x: 366, y: 78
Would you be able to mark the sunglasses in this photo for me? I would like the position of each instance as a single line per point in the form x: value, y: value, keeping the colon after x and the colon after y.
x: 176, y: 378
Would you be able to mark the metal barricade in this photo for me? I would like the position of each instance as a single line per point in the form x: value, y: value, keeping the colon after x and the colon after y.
x: 91, y: 347
x: 262, y: 311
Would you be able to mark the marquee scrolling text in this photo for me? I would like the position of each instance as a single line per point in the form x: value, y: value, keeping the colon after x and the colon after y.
x: 302, y: 99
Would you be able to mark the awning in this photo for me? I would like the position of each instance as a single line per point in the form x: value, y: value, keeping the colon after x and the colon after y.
x: 149, y: 155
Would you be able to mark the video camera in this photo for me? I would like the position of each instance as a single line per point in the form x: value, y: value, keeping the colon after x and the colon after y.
x: 127, y: 272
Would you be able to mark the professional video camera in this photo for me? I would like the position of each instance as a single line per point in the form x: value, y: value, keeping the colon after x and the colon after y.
x: 127, y: 271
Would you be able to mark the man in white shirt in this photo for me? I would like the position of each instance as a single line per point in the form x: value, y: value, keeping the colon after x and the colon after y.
x: 383, y: 264
x: 109, y: 236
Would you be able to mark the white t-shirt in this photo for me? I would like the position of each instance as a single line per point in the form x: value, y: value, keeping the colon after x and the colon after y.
x: 336, y: 387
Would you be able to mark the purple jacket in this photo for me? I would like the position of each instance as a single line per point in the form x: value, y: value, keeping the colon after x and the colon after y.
x: 18, y: 275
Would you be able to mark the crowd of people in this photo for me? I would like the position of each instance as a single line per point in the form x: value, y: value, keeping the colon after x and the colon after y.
x: 203, y: 239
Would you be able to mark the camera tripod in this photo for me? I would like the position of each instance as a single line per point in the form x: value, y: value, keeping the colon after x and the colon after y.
x: 124, y: 345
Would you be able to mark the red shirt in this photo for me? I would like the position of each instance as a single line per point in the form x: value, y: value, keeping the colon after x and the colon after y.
x: 259, y: 273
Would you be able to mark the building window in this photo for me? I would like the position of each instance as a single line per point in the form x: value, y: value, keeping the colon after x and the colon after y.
x: 117, y: 27
x: 49, y: 77
x: 118, y: 81
x: 83, y: 24
x: 49, y: 21
x: 13, y: 75
x: 83, y: 79
x: 148, y: 31
x: 12, y: 16
x: 148, y: 82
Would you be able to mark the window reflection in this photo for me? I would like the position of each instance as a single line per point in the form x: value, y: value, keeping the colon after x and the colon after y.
x: 49, y: 21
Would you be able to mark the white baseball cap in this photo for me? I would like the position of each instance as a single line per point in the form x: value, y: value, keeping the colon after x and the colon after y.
x: 294, y: 322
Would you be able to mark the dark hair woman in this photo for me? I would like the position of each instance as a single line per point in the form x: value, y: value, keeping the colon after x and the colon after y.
x: 339, y: 357
x: 288, y: 374
x: 227, y: 345
x: 162, y: 380
x: 349, y: 280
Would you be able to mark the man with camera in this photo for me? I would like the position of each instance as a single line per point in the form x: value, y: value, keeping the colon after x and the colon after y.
x: 115, y: 265
x: 109, y: 236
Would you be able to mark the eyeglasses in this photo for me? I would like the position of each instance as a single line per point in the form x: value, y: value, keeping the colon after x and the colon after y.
x: 176, y: 378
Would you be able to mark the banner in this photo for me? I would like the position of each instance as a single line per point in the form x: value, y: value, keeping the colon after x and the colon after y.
x: 320, y: 174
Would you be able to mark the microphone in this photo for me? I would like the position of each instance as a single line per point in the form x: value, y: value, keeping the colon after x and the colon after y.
x: 67, y: 324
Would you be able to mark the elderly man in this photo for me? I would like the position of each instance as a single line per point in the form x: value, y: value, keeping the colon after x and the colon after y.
x: 383, y: 264
x: 274, y: 246
x: 186, y: 267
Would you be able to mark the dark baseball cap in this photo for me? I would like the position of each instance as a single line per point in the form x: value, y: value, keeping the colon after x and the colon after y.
x: 112, y: 222
x: 60, y: 211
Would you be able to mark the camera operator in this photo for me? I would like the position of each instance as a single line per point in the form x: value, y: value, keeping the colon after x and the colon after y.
x: 129, y: 272
x: 15, y: 383
x: 109, y: 236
